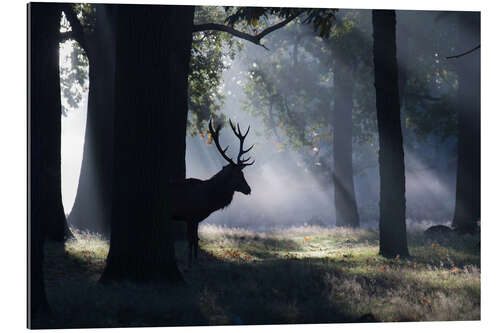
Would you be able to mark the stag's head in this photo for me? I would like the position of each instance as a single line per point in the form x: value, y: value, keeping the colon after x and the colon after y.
x: 233, y: 172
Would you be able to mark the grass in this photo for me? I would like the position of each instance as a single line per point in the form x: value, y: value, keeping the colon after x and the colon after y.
x: 296, y: 275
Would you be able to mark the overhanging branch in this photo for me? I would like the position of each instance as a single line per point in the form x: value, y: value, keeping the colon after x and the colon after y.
x: 64, y: 36
x: 465, y: 53
x: 243, y: 35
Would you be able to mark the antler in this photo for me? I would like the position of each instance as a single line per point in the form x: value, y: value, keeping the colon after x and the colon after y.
x: 242, y: 162
x: 215, y: 137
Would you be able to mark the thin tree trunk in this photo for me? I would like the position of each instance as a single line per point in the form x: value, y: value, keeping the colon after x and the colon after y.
x: 468, y: 190
x: 153, y: 51
x: 345, y: 198
x: 44, y: 122
x: 391, y: 156
x: 92, y: 208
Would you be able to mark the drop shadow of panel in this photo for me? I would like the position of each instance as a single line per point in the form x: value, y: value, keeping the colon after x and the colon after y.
x: 77, y: 300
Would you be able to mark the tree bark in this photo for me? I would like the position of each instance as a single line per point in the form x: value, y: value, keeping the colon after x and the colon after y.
x: 46, y: 130
x: 391, y: 156
x: 468, y: 190
x: 46, y: 119
x: 153, y: 51
x: 44, y: 122
x: 92, y: 208
x: 346, y: 209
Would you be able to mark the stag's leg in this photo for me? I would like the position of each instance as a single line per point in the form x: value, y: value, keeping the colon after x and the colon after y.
x: 196, y: 239
x: 190, y: 233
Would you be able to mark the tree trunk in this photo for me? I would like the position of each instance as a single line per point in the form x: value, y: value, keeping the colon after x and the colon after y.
x: 45, y: 204
x: 47, y: 129
x: 92, y: 208
x: 46, y: 118
x: 345, y: 198
x: 468, y: 191
x: 391, y: 156
x: 153, y: 48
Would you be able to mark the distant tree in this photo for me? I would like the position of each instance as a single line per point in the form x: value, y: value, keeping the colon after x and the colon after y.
x: 347, y: 47
x: 92, y: 26
x: 46, y: 216
x: 468, y: 192
x: 391, y: 156
x: 153, y: 50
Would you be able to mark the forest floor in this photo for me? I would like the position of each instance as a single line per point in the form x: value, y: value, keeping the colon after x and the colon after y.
x: 296, y: 275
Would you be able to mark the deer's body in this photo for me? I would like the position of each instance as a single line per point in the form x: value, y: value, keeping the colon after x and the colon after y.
x: 193, y: 200
x: 196, y: 199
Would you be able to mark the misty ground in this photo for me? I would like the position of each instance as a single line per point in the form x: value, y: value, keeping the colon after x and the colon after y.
x: 297, y: 275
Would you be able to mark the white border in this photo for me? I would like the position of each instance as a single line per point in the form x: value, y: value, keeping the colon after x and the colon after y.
x: 13, y: 165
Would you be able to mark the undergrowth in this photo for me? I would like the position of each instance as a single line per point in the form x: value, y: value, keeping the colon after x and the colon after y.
x: 296, y: 275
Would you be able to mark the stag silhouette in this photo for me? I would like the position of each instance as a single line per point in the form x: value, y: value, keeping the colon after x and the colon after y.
x: 193, y: 200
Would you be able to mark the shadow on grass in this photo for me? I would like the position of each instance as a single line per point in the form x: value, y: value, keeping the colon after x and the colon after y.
x: 77, y: 300
x: 265, y: 247
x: 275, y: 291
x: 219, y: 290
x: 458, y: 250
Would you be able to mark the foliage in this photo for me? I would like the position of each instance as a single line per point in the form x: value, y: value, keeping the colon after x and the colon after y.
x: 320, y: 18
x: 291, y: 91
x: 74, y: 70
x: 431, y: 87
x: 212, y: 52
x: 301, y: 59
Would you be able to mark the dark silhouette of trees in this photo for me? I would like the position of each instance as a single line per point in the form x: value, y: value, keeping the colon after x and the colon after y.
x: 468, y: 192
x: 92, y: 208
x: 153, y: 51
x: 46, y: 216
x: 391, y: 156
x: 45, y: 124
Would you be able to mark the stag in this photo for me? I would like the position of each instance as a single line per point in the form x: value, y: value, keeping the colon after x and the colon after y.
x: 194, y: 199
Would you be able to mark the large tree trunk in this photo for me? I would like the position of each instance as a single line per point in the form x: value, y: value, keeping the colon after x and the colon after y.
x: 153, y: 48
x: 391, y: 156
x: 46, y: 118
x: 468, y: 191
x: 345, y: 199
x: 44, y: 122
x: 92, y: 208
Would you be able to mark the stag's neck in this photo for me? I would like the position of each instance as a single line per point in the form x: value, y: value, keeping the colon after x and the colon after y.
x: 221, y: 192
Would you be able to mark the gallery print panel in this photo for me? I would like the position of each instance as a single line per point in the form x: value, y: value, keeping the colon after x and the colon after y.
x: 225, y: 165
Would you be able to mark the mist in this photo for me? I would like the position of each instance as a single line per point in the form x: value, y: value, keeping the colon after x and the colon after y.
x: 286, y: 193
x: 287, y: 190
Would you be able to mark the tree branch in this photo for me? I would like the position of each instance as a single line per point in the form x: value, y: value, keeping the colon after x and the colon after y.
x: 465, y: 53
x: 243, y: 35
x: 77, y: 32
x: 64, y: 36
x: 425, y: 96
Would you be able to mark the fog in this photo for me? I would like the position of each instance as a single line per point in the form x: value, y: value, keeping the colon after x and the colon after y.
x: 285, y: 190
